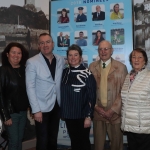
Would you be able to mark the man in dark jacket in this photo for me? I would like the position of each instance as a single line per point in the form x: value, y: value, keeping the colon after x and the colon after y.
x: 98, y: 15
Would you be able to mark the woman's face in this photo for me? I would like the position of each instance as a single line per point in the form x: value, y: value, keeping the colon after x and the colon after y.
x: 63, y: 13
x: 137, y: 60
x: 116, y: 8
x: 98, y: 34
x: 74, y: 58
x: 14, y: 56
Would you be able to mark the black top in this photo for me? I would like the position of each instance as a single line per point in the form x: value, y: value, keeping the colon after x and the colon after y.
x: 13, y: 96
x: 51, y: 66
x: 78, y: 89
x: 21, y: 103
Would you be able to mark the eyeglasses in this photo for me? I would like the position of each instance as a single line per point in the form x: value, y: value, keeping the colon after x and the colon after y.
x: 105, y: 49
x: 46, y: 42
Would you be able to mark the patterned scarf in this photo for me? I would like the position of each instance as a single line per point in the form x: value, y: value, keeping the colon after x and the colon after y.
x: 133, y: 74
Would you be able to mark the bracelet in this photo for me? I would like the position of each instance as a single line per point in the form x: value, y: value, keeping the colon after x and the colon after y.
x: 88, y: 118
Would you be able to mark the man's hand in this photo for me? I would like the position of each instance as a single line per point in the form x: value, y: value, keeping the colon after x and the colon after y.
x: 100, y: 111
x: 38, y: 116
x: 109, y: 113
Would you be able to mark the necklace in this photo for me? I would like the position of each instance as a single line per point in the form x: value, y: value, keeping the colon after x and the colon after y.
x: 17, y: 71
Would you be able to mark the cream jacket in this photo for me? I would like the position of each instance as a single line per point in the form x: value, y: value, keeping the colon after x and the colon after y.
x: 136, y: 104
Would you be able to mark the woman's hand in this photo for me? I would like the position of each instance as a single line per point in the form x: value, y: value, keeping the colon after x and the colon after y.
x: 87, y: 122
x: 8, y: 122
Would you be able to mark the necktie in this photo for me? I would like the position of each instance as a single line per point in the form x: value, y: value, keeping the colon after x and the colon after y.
x: 104, y: 65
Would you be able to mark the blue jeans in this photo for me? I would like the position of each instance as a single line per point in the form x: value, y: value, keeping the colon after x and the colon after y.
x: 16, y: 130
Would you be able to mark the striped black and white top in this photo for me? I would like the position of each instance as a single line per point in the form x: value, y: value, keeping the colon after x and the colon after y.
x: 78, y: 93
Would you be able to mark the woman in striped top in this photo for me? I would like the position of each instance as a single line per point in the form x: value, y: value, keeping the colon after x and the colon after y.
x: 78, y: 96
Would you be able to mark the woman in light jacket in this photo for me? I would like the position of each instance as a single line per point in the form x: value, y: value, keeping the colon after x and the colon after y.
x: 136, y: 102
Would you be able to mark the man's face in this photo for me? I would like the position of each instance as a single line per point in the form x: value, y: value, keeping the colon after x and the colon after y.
x: 60, y: 34
x: 80, y: 11
x: 98, y: 8
x: 46, y: 45
x: 105, y: 50
x: 81, y: 35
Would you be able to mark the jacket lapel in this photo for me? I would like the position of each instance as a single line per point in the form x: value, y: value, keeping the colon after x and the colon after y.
x: 113, y: 67
x: 98, y: 68
x: 58, y: 67
x: 44, y: 64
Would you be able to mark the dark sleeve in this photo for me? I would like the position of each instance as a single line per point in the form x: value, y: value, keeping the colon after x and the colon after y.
x: 3, y: 107
x: 93, y: 17
x: 91, y: 92
x: 103, y: 15
x: 68, y: 19
x: 85, y: 18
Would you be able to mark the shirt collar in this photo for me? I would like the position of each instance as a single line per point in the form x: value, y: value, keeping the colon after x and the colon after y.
x: 107, y: 62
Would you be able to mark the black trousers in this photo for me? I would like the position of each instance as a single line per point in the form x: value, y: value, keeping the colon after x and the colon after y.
x: 47, y: 131
x: 79, y: 135
x: 138, y: 141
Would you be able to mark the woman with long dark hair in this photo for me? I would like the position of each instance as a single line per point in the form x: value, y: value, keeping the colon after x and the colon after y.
x: 98, y: 38
x: 13, y: 96
x: 64, y: 16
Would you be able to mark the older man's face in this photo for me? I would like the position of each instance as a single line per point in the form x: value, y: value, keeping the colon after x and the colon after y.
x: 105, y: 50
x: 98, y: 8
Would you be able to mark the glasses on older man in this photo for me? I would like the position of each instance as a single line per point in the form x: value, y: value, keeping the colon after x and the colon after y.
x: 104, y: 49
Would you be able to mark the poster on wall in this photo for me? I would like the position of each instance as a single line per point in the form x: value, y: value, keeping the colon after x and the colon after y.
x: 142, y: 26
x: 23, y: 21
x: 86, y: 23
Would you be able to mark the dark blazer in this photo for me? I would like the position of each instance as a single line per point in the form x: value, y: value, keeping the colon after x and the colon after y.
x: 100, y: 17
x: 81, y: 18
x: 59, y: 41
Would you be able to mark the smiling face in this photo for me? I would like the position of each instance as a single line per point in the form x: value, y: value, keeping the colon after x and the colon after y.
x: 14, y: 56
x: 116, y: 8
x: 137, y: 60
x: 46, y: 45
x: 74, y: 58
x: 105, y: 50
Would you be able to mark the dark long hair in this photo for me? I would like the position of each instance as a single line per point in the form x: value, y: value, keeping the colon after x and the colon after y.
x: 64, y: 11
x: 114, y: 7
x: 25, y: 54
x: 97, y: 36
